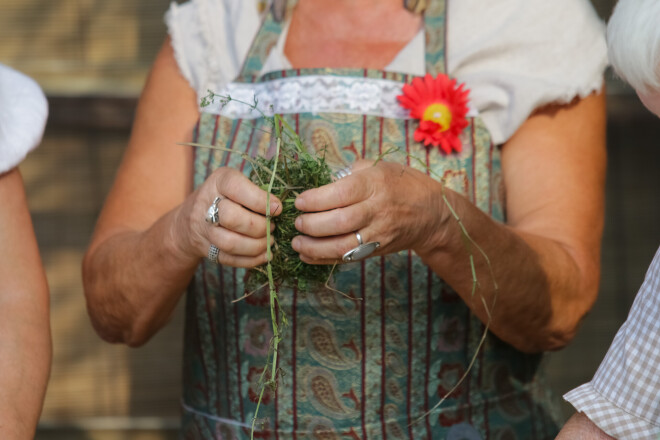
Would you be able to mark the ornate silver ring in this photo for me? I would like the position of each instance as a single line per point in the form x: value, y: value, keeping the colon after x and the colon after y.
x: 346, y: 171
x: 213, y: 214
x: 213, y: 253
x: 362, y: 251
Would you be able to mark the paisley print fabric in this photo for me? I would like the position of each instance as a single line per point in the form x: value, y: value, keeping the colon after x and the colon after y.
x: 371, y: 364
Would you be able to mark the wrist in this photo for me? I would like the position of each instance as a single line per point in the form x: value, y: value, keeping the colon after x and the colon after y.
x: 440, y: 233
x: 177, y: 241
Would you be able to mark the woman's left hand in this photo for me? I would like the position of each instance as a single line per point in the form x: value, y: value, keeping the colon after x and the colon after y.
x: 397, y: 206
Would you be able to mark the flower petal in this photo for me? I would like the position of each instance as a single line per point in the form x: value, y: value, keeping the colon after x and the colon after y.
x: 427, y: 90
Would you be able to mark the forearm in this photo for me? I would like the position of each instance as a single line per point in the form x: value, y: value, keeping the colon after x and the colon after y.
x: 25, y: 346
x: 134, y: 279
x: 535, y: 289
x: 580, y: 427
x: 25, y: 355
x: 546, y: 259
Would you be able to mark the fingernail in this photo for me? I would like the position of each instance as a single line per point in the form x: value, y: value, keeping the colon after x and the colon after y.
x: 300, y: 203
x: 295, y: 244
x: 298, y: 223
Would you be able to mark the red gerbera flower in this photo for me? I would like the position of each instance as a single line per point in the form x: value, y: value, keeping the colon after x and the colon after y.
x: 441, y: 106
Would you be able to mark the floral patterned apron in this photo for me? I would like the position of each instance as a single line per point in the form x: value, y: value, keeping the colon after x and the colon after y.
x: 366, y: 369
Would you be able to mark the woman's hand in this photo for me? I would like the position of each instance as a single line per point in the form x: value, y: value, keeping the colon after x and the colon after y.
x: 397, y: 206
x: 542, y: 266
x: 240, y: 234
x: 152, y: 232
x: 151, y: 267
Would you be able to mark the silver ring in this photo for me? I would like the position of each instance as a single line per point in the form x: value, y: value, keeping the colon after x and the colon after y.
x: 346, y: 171
x: 213, y: 253
x: 361, y: 251
x: 213, y: 214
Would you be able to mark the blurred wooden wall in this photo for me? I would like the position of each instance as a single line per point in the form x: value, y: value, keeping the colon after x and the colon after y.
x: 74, y: 47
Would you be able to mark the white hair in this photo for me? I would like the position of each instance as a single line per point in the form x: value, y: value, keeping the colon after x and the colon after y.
x: 633, y: 40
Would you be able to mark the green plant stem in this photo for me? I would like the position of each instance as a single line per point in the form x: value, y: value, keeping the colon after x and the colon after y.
x: 469, y: 241
x: 274, y: 304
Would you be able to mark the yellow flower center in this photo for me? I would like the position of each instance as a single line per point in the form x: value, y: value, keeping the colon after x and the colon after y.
x: 438, y: 113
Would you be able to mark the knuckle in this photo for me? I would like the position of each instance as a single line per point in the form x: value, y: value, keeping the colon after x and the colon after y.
x: 224, y: 259
x: 344, y: 194
x: 229, y: 244
x: 257, y: 249
x: 228, y: 219
x: 232, y: 187
x: 227, y: 180
x: 344, y: 221
x: 219, y: 177
x: 255, y: 227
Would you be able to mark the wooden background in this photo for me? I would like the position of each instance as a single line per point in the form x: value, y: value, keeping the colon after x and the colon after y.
x: 91, y: 58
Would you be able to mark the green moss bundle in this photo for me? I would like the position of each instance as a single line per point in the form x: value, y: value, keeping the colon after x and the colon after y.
x: 298, y: 171
x: 289, y: 172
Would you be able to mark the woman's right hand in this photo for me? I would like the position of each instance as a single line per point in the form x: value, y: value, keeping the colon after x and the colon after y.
x: 240, y: 235
x: 152, y: 233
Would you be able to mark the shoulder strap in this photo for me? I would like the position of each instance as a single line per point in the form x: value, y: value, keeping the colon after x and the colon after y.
x: 435, y: 24
x: 265, y: 39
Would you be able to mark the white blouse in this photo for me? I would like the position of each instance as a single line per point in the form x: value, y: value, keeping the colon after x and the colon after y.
x: 514, y: 55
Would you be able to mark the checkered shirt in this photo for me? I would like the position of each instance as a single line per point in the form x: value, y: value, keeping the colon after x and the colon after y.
x: 623, y: 398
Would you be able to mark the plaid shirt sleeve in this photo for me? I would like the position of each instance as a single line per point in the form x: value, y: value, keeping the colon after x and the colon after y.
x: 623, y: 398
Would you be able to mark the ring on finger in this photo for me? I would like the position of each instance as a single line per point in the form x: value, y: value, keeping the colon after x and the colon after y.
x: 213, y: 253
x: 346, y: 171
x: 212, y: 213
x: 361, y: 251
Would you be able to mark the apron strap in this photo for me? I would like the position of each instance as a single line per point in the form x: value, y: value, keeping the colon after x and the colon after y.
x: 435, y: 24
x: 266, y: 39
x: 280, y: 10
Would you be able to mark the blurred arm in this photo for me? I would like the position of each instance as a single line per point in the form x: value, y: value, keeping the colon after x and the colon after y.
x: 580, y: 427
x: 25, y: 345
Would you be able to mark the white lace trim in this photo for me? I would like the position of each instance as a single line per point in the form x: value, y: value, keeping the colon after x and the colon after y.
x: 314, y: 94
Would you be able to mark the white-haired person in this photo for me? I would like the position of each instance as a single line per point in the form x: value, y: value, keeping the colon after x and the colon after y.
x: 622, y: 400
x: 25, y: 344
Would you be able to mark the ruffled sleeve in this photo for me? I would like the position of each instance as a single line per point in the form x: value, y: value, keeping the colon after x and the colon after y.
x: 23, y: 114
x: 518, y: 55
x: 210, y: 39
